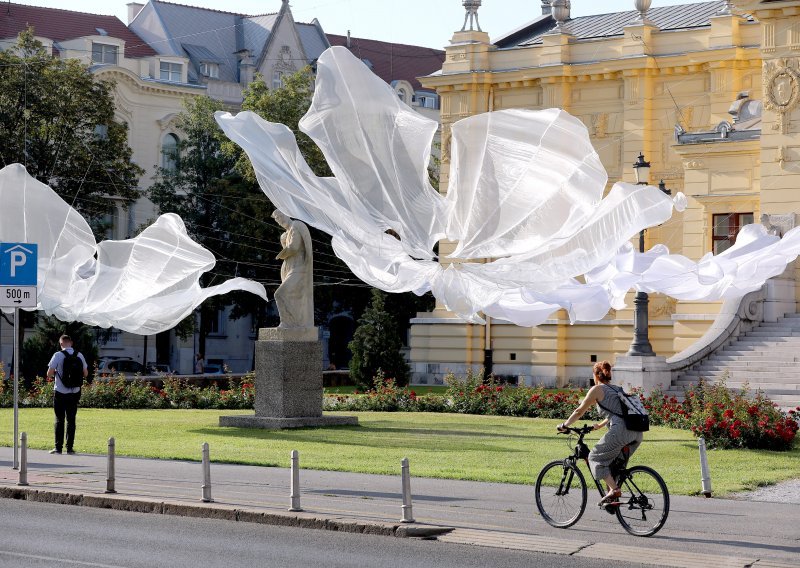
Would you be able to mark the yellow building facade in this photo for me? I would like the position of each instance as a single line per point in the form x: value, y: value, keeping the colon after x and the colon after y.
x: 663, y: 85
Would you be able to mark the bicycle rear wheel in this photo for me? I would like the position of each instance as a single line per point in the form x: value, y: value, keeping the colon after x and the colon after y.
x: 561, y: 493
x: 644, y: 504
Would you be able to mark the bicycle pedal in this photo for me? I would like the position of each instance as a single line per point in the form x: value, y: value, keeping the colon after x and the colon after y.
x: 610, y: 508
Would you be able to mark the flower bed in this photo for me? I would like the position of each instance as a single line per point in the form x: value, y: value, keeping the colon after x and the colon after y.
x: 725, y: 419
x: 118, y: 392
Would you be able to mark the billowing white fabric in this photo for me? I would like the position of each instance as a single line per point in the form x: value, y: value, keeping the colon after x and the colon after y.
x: 143, y: 285
x: 525, y: 204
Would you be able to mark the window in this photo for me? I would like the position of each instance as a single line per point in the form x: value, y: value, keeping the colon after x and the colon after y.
x: 209, y: 70
x: 169, y: 153
x: 171, y: 71
x: 401, y: 94
x: 277, y: 79
x: 726, y: 227
x: 104, y: 53
x: 426, y: 101
x: 217, y: 324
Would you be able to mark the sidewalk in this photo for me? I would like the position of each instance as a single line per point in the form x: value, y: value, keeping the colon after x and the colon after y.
x: 699, y: 532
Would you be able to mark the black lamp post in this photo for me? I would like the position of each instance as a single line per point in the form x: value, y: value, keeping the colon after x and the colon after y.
x: 640, y: 347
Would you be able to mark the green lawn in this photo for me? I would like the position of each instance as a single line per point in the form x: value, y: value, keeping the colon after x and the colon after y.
x: 485, y: 448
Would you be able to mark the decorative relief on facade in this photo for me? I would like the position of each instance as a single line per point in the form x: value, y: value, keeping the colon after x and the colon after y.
x: 794, y: 37
x: 778, y: 225
x: 664, y: 306
x: 599, y: 122
x: 446, y: 139
x: 768, y: 38
x: 694, y: 165
x: 781, y: 90
x: 457, y: 55
x: 632, y: 90
x: 782, y: 157
x: 284, y: 60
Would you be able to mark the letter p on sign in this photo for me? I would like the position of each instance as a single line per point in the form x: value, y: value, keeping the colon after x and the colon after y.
x: 18, y: 258
x: 18, y: 264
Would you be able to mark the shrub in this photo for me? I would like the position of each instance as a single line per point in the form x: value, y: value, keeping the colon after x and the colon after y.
x: 376, y: 346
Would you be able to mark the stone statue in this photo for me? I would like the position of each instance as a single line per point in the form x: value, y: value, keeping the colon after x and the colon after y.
x: 295, y: 296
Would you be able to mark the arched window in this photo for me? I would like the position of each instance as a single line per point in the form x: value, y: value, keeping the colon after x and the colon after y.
x: 401, y: 94
x: 169, y: 153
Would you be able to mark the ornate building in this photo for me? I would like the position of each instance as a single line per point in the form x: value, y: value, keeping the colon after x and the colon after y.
x: 682, y: 84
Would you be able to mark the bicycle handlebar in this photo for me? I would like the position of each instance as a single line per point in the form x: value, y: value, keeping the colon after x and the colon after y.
x: 585, y: 429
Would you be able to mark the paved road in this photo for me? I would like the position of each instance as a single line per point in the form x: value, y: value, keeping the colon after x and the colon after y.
x: 709, y: 531
x: 42, y: 535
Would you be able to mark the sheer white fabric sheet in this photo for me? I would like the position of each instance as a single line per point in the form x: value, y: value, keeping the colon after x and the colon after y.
x: 143, y: 285
x: 525, y: 207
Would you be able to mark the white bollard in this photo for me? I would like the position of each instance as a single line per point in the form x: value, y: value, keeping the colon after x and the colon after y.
x: 295, y: 485
x: 23, y: 459
x: 206, y: 475
x: 408, y: 515
x: 705, y: 474
x: 111, y: 475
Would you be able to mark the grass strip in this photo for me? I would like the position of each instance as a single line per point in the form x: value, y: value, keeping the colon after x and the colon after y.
x: 452, y: 446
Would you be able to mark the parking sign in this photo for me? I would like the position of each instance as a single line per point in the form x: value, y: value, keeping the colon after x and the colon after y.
x: 18, y: 264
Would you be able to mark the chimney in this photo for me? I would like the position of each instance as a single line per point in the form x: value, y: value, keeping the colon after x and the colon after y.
x: 348, y: 39
x: 546, y: 7
x: 133, y: 10
x: 246, y: 67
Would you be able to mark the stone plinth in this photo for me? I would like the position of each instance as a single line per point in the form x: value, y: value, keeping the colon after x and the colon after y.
x: 288, y: 382
x: 647, y: 373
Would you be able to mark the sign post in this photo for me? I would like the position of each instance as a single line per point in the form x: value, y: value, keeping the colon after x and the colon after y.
x: 18, y: 271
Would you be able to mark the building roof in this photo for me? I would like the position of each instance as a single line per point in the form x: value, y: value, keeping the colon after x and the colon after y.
x: 394, y: 61
x: 681, y: 17
x: 63, y: 25
x: 179, y: 30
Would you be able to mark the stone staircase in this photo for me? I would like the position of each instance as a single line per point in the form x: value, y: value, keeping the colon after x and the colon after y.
x: 766, y: 358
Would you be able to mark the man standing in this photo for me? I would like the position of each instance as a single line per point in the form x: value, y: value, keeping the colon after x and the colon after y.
x: 69, y: 369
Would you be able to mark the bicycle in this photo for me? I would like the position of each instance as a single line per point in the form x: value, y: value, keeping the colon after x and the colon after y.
x: 561, y: 491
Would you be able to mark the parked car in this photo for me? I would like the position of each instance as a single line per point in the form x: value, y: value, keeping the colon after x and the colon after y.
x: 212, y: 369
x: 108, y: 367
x: 158, y: 369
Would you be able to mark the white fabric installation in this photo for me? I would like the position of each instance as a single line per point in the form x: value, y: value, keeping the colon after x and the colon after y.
x: 143, y: 285
x: 524, y: 207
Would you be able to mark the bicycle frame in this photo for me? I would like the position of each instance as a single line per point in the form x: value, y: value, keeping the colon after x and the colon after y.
x: 581, y: 453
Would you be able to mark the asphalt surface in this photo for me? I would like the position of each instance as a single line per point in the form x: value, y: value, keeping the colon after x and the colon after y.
x: 44, y: 535
x: 708, y: 532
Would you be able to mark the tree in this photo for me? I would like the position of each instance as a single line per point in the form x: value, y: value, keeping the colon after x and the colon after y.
x: 58, y: 121
x: 376, y: 345
x: 37, y: 350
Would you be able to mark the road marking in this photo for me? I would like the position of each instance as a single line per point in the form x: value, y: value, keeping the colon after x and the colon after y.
x: 59, y: 560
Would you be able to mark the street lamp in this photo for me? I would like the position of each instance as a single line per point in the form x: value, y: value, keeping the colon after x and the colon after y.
x: 640, y: 347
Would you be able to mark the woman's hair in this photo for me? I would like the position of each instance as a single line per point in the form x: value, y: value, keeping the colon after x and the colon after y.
x: 602, y: 370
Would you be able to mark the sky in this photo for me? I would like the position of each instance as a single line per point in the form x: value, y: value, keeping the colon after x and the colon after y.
x: 429, y: 23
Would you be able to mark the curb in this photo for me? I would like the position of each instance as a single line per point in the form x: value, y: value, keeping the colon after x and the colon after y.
x: 221, y: 512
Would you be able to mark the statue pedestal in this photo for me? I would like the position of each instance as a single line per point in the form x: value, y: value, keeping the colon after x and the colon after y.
x: 646, y: 373
x: 288, y: 382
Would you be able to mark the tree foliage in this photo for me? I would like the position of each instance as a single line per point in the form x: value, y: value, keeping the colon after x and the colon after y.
x: 57, y: 120
x: 376, y: 346
x: 37, y: 350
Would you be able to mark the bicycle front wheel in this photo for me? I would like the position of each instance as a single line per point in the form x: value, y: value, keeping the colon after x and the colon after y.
x: 561, y: 493
x: 644, y: 504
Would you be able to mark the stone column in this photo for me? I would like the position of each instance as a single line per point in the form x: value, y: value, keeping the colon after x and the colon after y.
x: 288, y: 382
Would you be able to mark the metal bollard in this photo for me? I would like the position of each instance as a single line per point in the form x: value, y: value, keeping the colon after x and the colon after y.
x: 295, y: 485
x: 23, y: 459
x: 408, y: 516
x: 111, y: 475
x: 705, y: 474
x: 206, y: 475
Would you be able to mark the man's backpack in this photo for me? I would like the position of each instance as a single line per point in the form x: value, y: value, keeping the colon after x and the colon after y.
x: 72, y: 370
x: 633, y: 411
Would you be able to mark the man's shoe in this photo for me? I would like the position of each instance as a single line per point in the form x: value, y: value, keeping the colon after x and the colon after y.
x: 71, y: 452
x: 55, y: 451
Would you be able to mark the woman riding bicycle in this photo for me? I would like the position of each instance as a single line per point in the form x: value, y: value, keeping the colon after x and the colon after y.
x: 618, y: 436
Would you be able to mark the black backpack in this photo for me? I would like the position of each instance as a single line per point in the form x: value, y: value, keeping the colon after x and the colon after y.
x: 72, y: 370
x: 633, y: 411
